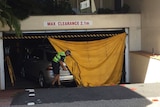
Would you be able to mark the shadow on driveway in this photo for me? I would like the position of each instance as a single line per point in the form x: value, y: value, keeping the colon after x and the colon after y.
x: 69, y: 95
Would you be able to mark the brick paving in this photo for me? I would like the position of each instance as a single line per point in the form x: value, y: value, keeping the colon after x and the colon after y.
x: 6, y: 96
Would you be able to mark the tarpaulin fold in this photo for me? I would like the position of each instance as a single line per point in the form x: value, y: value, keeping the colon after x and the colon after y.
x: 94, y: 63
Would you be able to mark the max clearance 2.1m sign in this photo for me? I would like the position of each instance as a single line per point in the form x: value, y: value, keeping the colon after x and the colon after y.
x: 68, y: 23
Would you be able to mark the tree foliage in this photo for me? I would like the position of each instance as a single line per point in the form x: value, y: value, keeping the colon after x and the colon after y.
x: 25, y: 8
x: 12, y: 11
x: 7, y: 17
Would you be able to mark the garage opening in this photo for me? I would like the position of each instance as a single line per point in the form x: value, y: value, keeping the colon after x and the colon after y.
x: 18, y: 47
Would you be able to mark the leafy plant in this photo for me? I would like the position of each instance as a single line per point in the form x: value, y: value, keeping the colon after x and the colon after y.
x: 8, y: 18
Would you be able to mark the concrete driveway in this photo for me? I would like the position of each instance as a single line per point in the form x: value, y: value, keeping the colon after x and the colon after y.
x: 124, y: 95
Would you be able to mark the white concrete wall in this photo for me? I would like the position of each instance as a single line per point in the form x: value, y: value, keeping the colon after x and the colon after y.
x: 2, y: 73
x: 150, y: 22
x: 138, y: 67
x: 151, y: 25
x: 131, y: 21
x: 144, y: 68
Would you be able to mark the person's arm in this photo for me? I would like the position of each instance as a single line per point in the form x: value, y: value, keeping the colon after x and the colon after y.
x: 62, y: 65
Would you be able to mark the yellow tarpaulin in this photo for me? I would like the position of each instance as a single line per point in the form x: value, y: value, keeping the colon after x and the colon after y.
x: 94, y: 63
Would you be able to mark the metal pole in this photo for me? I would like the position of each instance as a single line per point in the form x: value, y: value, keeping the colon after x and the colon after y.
x: 122, y: 3
x: 101, y: 3
x: 77, y: 6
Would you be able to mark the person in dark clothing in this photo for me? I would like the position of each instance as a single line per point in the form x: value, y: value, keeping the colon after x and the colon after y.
x: 58, y: 61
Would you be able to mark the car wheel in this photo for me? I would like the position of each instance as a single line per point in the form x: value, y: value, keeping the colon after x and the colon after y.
x: 41, y: 80
x: 23, y: 73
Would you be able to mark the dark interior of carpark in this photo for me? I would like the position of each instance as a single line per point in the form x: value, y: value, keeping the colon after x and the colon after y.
x: 17, y: 47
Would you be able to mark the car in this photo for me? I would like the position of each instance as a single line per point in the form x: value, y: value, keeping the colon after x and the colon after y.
x: 37, y: 64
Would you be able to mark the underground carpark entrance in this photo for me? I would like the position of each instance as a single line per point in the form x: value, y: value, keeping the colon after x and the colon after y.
x: 18, y: 45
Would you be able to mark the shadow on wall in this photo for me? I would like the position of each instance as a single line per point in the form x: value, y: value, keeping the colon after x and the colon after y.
x: 149, y: 72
